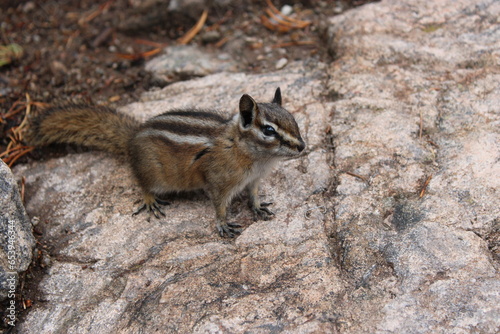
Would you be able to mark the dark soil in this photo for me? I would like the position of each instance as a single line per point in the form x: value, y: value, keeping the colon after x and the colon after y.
x: 76, y: 48
x: 95, y: 51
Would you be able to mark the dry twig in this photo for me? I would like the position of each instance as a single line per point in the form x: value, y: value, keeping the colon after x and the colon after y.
x: 222, y: 42
x: 86, y: 19
x: 424, y: 188
x: 15, y: 149
x: 140, y: 55
x: 217, y: 24
x: 279, y: 22
x: 358, y: 176
x: 194, y: 30
x: 146, y: 54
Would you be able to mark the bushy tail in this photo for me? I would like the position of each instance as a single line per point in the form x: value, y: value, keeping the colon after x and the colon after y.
x: 88, y: 125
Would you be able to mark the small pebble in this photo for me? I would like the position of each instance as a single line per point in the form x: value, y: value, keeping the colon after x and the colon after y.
x: 286, y: 10
x: 29, y: 6
x: 35, y: 220
x: 58, y: 67
x: 224, y: 57
x: 281, y: 63
x: 210, y: 37
x: 5, y: 91
x: 338, y: 9
x: 45, y: 261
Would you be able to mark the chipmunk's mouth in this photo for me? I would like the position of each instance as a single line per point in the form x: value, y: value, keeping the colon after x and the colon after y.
x: 294, y: 154
x: 292, y: 149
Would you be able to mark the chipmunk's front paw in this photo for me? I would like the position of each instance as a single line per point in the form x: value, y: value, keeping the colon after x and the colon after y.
x: 262, y: 211
x: 229, y: 229
x: 152, y: 207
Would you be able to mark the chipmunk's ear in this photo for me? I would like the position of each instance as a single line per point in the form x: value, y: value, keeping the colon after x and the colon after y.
x: 277, y: 97
x: 248, y: 110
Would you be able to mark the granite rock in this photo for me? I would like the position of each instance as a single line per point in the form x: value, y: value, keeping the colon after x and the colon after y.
x: 183, y: 62
x: 16, y: 236
x: 417, y: 150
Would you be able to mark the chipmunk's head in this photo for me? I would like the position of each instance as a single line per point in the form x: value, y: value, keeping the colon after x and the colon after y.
x: 270, y: 128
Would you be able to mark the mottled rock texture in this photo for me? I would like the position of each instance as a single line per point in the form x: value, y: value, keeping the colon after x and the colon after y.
x: 389, y: 223
x: 418, y: 109
x: 16, y: 236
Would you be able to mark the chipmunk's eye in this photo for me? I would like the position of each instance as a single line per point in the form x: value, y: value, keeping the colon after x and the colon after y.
x: 268, y: 130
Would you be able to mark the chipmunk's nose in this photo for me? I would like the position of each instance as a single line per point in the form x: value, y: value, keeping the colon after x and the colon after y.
x: 301, y: 146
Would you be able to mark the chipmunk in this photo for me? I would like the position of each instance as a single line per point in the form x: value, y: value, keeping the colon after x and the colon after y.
x: 185, y: 150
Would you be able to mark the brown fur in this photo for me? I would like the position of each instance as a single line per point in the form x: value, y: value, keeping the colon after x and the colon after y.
x: 87, y: 125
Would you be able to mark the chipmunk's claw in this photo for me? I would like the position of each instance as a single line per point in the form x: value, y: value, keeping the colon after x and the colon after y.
x: 139, y: 210
x: 156, y: 210
x: 229, y: 229
x: 152, y: 207
x: 162, y: 201
x: 263, y: 212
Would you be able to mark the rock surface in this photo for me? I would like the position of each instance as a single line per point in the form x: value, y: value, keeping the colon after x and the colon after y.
x: 183, y: 62
x: 389, y: 224
x: 114, y: 272
x: 16, y: 236
x: 418, y: 101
